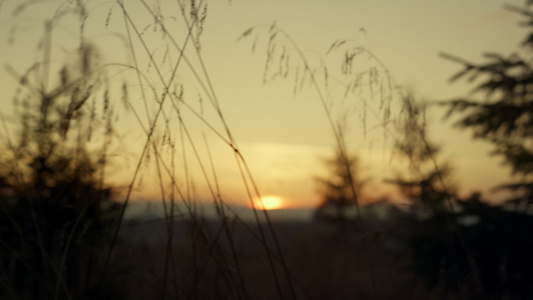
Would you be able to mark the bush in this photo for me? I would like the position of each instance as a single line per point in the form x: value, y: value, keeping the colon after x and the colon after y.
x: 55, y: 210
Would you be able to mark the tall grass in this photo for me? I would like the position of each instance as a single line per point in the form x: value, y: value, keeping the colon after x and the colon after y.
x: 165, y: 93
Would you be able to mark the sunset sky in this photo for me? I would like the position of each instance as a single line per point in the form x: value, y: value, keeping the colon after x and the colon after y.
x: 281, y: 134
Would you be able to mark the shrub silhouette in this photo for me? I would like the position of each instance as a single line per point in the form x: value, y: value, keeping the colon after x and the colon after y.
x: 55, y: 209
x: 497, y: 241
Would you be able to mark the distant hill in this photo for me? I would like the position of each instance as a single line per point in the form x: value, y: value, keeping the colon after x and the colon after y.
x: 147, y: 210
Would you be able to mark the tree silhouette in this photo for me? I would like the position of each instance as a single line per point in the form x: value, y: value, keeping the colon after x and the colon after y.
x: 342, y: 188
x: 504, y: 114
x: 483, y: 251
x: 55, y: 209
x: 427, y: 182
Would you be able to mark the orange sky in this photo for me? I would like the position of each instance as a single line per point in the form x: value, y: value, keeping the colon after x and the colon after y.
x: 281, y: 135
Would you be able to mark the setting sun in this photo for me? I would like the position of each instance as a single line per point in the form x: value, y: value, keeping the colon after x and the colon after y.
x: 268, y: 203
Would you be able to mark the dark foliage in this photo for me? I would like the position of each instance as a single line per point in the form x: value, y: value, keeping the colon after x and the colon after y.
x: 53, y: 233
x: 498, y: 244
x: 477, y: 250
x: 426, y: 184
x: 55, y: 211
x: 341, y: 189
x: 504, y: 116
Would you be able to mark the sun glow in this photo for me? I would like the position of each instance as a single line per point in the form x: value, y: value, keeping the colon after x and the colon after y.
x: 268, y: 203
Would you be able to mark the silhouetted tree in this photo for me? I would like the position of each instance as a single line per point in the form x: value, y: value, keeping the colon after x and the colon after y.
x: 55, y: 210
x: 342, y: 188
x: 504, y: 113
x: 427, y: 182
x: 483, y: 251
